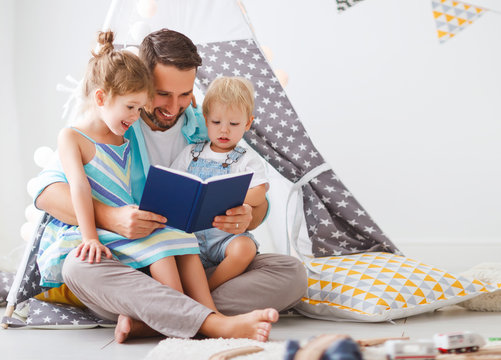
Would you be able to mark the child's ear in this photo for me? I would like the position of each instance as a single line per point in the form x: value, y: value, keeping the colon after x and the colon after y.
x: 99, y: 97
x: 249, y: 123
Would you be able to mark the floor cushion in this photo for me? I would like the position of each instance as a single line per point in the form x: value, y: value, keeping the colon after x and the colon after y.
x: 380, y: 286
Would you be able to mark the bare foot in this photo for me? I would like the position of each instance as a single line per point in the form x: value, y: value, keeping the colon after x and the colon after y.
x: 255, y: 325
x: 128, y: 327
x: 123, y: 328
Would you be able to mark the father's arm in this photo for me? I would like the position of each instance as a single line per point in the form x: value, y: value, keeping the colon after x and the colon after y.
x: 127, y: 221
x: 241, y: 218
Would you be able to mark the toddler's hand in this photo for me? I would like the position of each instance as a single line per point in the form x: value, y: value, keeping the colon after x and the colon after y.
x: 93, y: 248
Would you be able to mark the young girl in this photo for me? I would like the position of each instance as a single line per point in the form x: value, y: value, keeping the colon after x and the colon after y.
x: 227, y: 108
x: 96, y: 161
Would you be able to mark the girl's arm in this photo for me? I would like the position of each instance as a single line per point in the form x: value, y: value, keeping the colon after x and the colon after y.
x: 81, y: 196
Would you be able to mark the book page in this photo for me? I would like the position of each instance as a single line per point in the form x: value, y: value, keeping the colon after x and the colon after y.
x: 180, y: 172
x: 226, y: 176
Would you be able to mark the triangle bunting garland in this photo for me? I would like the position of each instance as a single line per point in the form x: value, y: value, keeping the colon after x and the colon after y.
x: 451, y: 17
x: 343, y: 5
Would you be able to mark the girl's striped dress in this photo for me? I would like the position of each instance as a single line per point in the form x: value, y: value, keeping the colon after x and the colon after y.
x: 110, y: 179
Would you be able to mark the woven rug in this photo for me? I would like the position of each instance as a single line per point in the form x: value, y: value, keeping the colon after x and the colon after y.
x: 182, y: 349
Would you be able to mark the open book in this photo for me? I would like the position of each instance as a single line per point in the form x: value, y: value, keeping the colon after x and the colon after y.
x: 188, y: 202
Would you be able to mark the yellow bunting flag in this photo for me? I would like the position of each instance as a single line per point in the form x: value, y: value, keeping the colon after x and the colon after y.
x: 451, y: 17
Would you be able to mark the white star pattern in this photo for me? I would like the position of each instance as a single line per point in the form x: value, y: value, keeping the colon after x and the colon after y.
x: 369, y: 229
x: 325, y: 222
x: 336, y: 234
x: 353, y: 222
x: 360, y: 212
x: 346, y: 193
x: 330, y: 189
x: 342, y: 203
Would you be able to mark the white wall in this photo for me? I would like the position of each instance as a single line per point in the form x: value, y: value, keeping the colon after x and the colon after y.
x: 11, y: 213
x: 411, y: 127
x: 41, y: 42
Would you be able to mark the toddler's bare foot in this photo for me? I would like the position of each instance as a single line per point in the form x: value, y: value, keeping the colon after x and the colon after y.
x: 128, y: 327
x: 255, y: 325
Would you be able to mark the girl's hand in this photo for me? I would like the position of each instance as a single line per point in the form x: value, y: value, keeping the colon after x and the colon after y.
x: 94, y: 248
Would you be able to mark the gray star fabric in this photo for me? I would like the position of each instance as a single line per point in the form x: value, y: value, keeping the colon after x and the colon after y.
x: 337, y: 224
x: 30, y: 283
x: 48, y: 315
x: 343, y: 5
x: 6, y: 280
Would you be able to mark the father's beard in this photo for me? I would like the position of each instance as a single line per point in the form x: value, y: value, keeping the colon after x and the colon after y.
x: 151, y: 119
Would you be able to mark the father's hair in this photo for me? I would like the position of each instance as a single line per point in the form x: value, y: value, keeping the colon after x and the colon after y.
x: 169, y: 47
x: 231, y: 92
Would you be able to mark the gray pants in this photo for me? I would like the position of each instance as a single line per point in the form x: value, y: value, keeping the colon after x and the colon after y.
x: 111, y: 288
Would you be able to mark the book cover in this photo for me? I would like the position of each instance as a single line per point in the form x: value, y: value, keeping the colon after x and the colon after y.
x: 188, y: 202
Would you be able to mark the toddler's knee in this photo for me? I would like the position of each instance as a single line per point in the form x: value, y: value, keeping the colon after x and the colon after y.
x: 241, y: 247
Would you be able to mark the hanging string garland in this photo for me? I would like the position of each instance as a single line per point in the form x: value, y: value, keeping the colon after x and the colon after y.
x: 146, y: 8
x: 42, y: 156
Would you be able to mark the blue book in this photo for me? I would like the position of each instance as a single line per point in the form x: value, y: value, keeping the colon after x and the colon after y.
x: 188, y: 202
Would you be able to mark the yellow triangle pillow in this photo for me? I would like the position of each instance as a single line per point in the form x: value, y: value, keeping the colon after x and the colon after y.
x: 381, y: 286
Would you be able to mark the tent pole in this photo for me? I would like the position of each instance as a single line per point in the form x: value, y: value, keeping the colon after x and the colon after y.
x: 247, y: 20
x: 109, y: 15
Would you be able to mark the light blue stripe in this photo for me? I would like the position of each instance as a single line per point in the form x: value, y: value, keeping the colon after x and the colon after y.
x: 177, y: 252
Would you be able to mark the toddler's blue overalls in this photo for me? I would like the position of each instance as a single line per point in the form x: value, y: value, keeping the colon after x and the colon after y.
x: 213, y: 242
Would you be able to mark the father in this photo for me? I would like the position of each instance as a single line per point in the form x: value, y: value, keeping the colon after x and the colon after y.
x: 142, y: 305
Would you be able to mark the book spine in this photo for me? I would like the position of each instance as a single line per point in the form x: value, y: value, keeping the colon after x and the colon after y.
x: 195, y: 210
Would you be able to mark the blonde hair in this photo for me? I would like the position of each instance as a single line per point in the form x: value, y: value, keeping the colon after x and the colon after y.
x: 231, y: 92
x: 115, y: 72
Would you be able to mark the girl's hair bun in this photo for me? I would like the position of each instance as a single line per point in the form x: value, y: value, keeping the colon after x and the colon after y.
x: 105, y: 40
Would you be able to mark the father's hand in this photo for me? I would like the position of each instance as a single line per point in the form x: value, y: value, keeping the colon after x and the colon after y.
x: 236, y: 220
x: 130, y: 222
